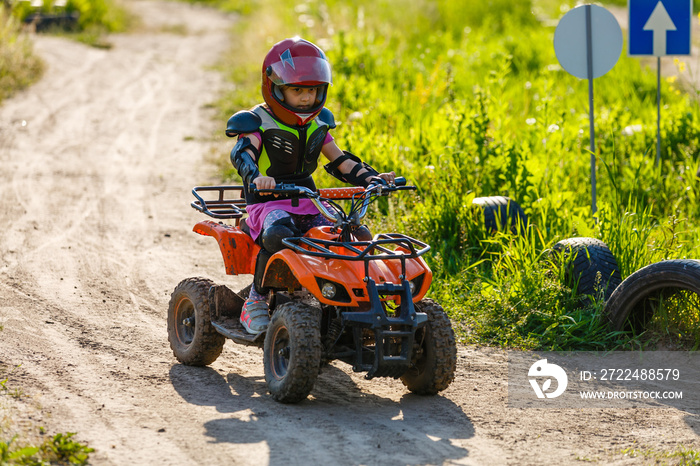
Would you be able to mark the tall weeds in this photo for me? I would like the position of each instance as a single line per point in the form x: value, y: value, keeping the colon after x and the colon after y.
x: 19, y: 67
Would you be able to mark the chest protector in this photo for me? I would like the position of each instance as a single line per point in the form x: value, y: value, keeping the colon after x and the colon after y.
x: 290, y: 154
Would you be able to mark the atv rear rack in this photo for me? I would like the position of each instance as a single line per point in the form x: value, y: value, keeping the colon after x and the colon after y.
x: 220, y: 208
x: 234, y: 208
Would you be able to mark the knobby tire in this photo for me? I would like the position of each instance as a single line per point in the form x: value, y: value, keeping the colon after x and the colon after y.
x: 197, y: 345
x: 434, y: 369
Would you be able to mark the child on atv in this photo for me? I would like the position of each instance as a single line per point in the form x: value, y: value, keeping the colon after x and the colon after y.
x: 280, y: 141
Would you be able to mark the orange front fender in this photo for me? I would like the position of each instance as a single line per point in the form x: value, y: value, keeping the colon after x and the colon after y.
x: 237, y: 248
x: 288, y: 269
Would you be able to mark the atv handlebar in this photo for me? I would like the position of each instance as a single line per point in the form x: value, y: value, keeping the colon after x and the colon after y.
x: 290, y: 188
x: 361, y: 198
x: 228, y: 201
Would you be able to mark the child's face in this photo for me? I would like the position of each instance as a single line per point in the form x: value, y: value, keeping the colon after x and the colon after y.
x: 302, y: 98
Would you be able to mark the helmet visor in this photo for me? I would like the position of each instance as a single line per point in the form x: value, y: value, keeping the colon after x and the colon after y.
x: 299, y: 70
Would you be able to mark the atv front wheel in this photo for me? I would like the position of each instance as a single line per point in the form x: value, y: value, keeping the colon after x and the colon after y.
x: 292, y: 351
x: 435, y: 357
x: 193, y: 339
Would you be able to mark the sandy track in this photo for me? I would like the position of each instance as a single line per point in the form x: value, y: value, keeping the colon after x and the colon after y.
x: 96, y: 164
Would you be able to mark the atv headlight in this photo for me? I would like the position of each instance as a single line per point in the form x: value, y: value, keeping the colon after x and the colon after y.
x: 332, y: 291
x: 416, y: 284
x: 328, y: 290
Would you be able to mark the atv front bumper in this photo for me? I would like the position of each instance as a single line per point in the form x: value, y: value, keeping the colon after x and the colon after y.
x: 393, y: 336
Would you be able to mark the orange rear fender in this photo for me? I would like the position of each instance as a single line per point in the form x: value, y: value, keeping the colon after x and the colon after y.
x: 237, y: 248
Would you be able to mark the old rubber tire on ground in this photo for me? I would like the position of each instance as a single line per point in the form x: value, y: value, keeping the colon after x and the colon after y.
x: 585, y: 258
x: 193, y: 339
x: 632, y: 303
x: 501, y: 212
x: 292, y: 351
x: 435, y: 361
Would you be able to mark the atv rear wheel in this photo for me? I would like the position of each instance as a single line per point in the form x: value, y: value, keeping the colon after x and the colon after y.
x: 292, y: 351
x: 435, y: 357
x: 193, y: 339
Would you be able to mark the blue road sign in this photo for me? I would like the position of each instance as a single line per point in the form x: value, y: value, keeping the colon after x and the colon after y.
x: 659, y: 27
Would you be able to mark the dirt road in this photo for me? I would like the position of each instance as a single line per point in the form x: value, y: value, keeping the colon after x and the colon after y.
x: 96, y: 164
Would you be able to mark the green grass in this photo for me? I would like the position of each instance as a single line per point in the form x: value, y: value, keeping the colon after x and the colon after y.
x: 19, y: 67
x: 468, y: 99
x: 56, y: 449
x: 106, y: 15
x: 35, y: 448
x: 60, y: 448
x: 96, y: 18
x: 681, y: 456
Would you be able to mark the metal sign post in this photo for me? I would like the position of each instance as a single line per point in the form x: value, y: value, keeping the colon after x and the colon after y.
x: 591, y: 120
x: 659, y: 28
x: 588, y: 43
x: 658, y: 111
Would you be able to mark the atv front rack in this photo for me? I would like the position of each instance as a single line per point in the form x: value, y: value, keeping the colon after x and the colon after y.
x: 221, y: 207
x: 366, y: 251
x: 375, y: 250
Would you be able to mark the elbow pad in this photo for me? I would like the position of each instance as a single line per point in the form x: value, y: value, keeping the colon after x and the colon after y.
x: 242, y: 160
x: 352, y: 177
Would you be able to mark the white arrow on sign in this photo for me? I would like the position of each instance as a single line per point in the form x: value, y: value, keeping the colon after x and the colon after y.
x: 659, y: 23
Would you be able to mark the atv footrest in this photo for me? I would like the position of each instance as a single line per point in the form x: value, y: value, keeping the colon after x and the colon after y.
x: 233, y: 329
x: 225, y: 311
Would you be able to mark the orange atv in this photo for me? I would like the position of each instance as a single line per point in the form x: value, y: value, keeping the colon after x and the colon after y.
x: 332, y: 296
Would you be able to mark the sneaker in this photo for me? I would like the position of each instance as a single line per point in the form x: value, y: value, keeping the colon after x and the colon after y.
x: 255, y: 316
